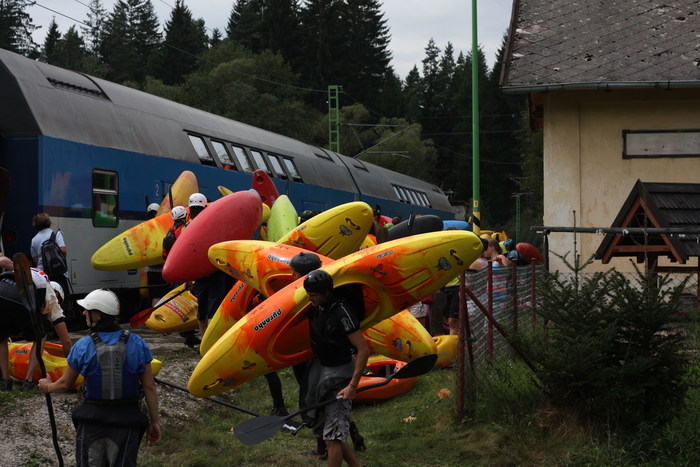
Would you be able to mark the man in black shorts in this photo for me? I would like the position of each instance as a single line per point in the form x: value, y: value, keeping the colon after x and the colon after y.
x: 334, y: 374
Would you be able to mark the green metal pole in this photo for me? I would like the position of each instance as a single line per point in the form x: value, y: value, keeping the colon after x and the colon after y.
x: 333, y: 118
x: 476, y: 185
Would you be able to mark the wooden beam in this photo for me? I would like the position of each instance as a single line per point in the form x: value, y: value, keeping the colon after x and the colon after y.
x: 642, y: 248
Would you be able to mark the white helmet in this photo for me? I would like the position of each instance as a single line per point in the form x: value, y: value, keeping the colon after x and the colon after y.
x: 58, y: 289
x: 198, y: 199
x: 153, y: 207
x: 178, y: 212
x: 103, y: 300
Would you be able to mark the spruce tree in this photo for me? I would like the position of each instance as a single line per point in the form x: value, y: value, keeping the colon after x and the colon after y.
x: 16, y: 28
x: 320, y: 43
x: 94, y: 25
x: 184, y: 40
x: 130, y: 41
x: 216, y: 37
x: 53, y: 35
x: 245, y: 24
x: 71, y: 50
x: 364, y: 52
x: 412, y: 91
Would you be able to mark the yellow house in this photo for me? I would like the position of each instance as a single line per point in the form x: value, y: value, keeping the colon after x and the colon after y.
x: 616, y: 87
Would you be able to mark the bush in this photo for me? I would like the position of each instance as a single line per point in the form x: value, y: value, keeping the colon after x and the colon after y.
x: 608, y: 350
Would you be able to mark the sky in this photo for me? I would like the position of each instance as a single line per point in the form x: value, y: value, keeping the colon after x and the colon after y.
x: 412, y: 23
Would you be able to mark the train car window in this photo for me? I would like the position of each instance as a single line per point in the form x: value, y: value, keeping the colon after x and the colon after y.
x: 222, y: 153
x: 242, y: 159
x: 426, y: 201
x: 105, y: 197
x: 260, y: 161
x: 419, y: 198
x: 277, y: 166
x: 201, y: 149
x: 396, y: 191
x: 292, y: 169
x: 404, y: 195
x: 414, y: 197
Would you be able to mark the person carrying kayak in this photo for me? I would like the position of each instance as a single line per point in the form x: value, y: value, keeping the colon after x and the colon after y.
x: 333, y: 374
x: 116, y: 365
x: 302, y: 264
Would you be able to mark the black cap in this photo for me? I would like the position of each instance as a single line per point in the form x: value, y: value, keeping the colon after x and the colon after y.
x: 303, y: 263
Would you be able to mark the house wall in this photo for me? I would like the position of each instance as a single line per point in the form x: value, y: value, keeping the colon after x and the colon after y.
x: 583, y: 166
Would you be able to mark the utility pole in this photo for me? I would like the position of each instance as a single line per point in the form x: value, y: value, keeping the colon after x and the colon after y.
x: 334, y: 118
x: 476, y: 185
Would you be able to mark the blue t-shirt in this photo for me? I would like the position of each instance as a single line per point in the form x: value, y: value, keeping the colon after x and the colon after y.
x: 83, y: 358
x: 40, y: 238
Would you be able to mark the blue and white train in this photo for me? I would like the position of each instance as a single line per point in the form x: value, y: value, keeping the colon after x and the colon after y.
x: 89, y: 152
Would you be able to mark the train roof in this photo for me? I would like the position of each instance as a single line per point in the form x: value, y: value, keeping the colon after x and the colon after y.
x: 42, y: 99
x: 110, y: 115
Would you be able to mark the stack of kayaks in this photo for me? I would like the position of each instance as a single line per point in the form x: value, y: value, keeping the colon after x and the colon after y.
x: 275, y: 335
x: 333, y: 233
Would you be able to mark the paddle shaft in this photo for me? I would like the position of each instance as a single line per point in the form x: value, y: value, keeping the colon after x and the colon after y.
x: 142, y: 316
x: 212, y: 399
x: 27, y: 291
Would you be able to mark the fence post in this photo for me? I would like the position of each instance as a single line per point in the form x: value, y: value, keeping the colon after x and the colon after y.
x: 489, y: 301
x: 460, y: 350
x: 533, y: 298
x: 514, y: 288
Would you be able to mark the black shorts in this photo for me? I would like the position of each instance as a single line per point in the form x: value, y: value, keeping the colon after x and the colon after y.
x: 210, y: 292
x: 158, y: 287
x: 452, y: 302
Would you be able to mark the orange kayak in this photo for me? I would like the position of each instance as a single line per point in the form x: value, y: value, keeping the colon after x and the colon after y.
x: 400, y: 337
x: 333, y: 233
x: 266, y: 268
x: 181, y: 189
x: 381, y: 369
x: 275, y: 335
x: 54, y: 361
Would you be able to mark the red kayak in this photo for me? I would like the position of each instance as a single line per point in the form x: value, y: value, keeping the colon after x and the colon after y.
x: 530, y: 253
x: 380, y: 370
x: 263, y: 184
x: 233, y: 217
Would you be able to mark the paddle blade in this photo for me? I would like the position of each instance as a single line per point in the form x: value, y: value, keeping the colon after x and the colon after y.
x: 258, y: 429
x: 141, y: 317
x: 25, y: 284
x: 417, y: 367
